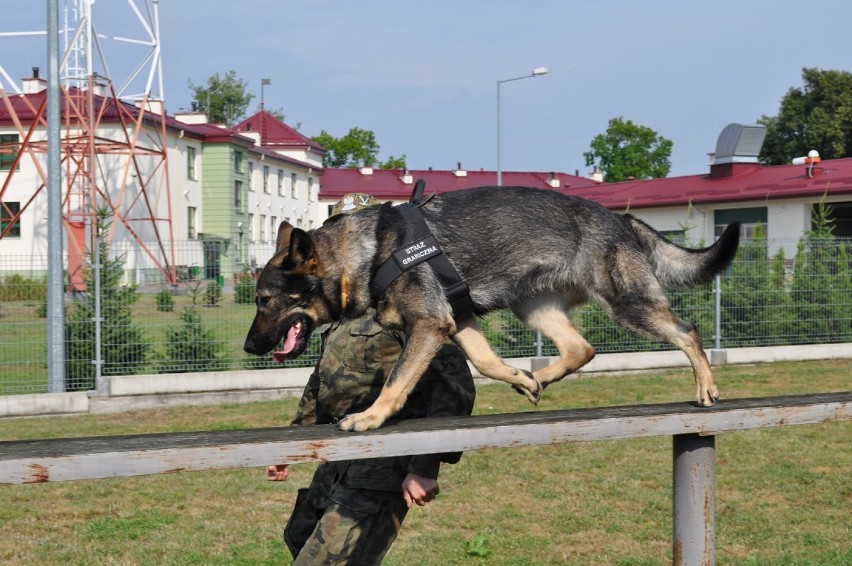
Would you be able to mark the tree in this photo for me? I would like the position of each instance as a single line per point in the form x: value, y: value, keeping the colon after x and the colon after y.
x: 224, y: 99
x: 191, y: 346
x: 358, y: 147
x: 816, y: 116
x: 629, y: 150
x: 123, y: 343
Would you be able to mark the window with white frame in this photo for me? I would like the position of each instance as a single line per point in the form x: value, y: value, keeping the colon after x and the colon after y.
x: 280, y: 182
x: 748, y: 218
x: 191, y: 213
x: 9, y: 147
x: 10, y: 219
x: 190, y: 163
x: 262, y: 228
x: 239, y: 198
x: 251, y: 175
x: 266, y: 179
x: 294, y: 190
x: 251, y: 227
x: 273, y: 227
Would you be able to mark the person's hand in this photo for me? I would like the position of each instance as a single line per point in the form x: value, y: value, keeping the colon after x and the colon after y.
x: 278, y: 472
x: 419, y: 490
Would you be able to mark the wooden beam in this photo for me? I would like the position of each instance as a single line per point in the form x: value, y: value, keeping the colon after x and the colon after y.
x: 111, y: 456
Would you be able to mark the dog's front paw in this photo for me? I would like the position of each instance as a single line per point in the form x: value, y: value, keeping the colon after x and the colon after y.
x: 708, y: 397
x: 359, y: 422
x: 532, y: 391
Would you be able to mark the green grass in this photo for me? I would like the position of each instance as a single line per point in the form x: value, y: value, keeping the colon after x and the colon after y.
x: 783, y: 496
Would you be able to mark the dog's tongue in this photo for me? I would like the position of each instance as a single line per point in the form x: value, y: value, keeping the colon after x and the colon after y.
x: 289, y: 343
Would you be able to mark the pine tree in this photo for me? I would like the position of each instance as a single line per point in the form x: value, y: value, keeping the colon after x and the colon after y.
x: 191, y: 346
x: 123, y: 344
x: 812, y: 288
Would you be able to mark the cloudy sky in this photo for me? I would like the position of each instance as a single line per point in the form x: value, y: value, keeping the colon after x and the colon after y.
x: 423, y: 75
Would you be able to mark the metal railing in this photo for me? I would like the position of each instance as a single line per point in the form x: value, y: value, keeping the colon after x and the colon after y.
x: 150, y: 326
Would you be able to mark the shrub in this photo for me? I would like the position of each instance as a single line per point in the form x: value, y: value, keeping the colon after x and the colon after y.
x: 19, y: 288
x: 191, y: 347
x: 123, y: 344
x: 244, y: 289
x: 212, y: 294
x: 165, y: 301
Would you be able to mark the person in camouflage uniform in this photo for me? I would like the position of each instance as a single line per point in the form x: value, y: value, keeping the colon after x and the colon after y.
x: 353, y: 510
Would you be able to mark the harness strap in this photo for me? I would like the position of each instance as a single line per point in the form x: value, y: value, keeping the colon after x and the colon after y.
x: 420, y: 245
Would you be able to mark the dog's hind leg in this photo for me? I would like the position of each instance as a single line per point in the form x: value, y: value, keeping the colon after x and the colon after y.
x: 549, y: 315
x: 470, y: 338
x: 656, y: 319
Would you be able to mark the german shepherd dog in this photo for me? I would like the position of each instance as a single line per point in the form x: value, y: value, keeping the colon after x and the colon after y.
x: 537, y: 252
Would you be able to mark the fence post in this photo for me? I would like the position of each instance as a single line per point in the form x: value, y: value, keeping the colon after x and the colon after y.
x: 717, y: 312
x: 694, y: 500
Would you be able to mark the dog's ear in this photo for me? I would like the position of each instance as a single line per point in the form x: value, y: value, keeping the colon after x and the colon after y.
x: 301, y: 247
x: 285, y: 229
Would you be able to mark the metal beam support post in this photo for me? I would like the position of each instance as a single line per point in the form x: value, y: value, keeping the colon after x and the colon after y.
x: 55, y: 275
x: 694, y: 500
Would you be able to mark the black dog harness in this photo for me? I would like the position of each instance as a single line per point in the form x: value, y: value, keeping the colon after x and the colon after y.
x: 419, y: 246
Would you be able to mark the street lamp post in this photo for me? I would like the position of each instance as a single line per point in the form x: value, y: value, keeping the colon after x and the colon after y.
x: 538, y: 71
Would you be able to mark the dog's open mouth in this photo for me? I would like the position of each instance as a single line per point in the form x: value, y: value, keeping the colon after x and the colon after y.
x: 295, y: 340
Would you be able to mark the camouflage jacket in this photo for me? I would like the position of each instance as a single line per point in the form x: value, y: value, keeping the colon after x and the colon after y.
x: 357, y: 356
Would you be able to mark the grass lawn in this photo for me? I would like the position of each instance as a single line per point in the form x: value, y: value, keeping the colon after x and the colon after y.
x: 784, y: 494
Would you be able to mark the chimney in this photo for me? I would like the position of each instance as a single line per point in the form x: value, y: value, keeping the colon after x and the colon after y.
x: 407, y: 177
x: 553, y: 180
x: 459, y: 172
x: 34, y: 84
x: 193, y: 117
x: 597, y: 175
x: 736, y: 150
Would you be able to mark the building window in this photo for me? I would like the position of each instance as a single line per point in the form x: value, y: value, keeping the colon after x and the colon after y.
x: 748, y: 218
x: 262, y: 227
x: 251, y: 175
x: 273, y: 227
x: 9, y: 212
x: 311, y: 189
x: 266, y: 179
x: 840, y: 214
x: 239, y: 200
x: 190, y: 223
x: 294, y: 192
x: 190, y: 163
x: 676, y: 236
x: 251, y: 227
x: 9, y: 147
x: 280, y: 183
x: 238, y: 161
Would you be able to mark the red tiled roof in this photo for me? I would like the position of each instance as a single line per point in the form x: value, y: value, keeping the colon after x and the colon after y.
x: 274, y: 132
x: 388, y: 184
x: 748, y: 182
x: 25, y: 108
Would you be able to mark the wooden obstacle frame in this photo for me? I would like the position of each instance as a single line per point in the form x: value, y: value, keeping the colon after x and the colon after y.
x: 692, y: 428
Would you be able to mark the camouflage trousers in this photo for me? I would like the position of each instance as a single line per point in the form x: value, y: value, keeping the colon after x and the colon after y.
x: 336, y: 523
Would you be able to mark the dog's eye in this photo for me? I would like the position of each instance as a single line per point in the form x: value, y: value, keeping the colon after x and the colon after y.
x: 261, y: 301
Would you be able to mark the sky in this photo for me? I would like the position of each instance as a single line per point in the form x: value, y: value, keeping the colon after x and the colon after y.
x: 423, y: 75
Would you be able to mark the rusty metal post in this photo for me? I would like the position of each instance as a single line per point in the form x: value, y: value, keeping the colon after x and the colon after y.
x: 694, y: 500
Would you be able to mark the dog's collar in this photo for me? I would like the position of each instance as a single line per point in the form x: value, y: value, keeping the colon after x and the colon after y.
x: 344, y: 292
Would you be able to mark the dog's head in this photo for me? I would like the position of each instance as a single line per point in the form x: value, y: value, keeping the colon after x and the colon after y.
x: 288, y: 297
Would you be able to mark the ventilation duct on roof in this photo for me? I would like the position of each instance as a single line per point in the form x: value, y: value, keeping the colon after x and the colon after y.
x: 739, y: 143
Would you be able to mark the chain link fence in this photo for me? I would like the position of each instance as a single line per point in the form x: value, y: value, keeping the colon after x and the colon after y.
x: 150, y: 326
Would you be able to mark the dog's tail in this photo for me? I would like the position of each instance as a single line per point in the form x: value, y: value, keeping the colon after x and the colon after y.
x: 676, y: 266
